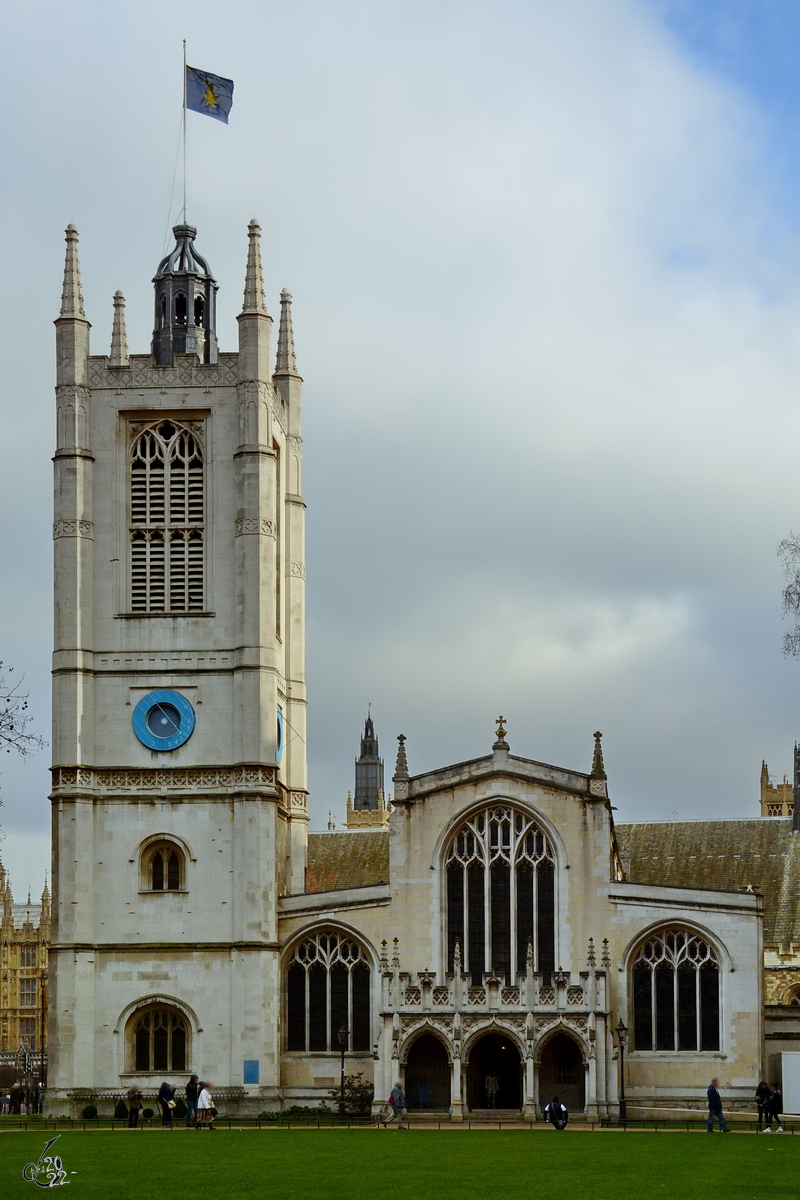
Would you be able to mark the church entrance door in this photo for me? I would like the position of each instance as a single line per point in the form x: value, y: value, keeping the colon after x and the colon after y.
x: 562, y: 1073
x: 427, y: 1076
x: 495, y: 1054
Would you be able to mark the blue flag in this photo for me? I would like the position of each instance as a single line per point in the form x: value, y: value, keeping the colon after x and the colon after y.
x: 209, y: 94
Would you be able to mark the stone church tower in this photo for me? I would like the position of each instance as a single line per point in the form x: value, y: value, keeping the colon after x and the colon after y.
x: 179, y: 767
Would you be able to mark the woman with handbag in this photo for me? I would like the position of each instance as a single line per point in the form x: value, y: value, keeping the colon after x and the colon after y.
x: 166, y: 1101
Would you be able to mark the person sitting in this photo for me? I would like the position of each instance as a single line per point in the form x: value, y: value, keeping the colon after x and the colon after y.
x: 556, y: 1113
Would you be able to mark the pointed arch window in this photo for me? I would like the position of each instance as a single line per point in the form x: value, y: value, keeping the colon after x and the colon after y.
x: 158, y: 1040
x: 500, y: 880
x: 327, y: 986
x: 676, y: 993
x: 167, y: 519
x: 163, y: 868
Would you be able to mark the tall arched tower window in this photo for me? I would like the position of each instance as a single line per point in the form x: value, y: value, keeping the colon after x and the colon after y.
x: 327, y: 986
x: 167, y: 519
x: 500, y: 871
x: 676, y: 993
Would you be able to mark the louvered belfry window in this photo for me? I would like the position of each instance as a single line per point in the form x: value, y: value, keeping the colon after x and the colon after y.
x: 167, y: 519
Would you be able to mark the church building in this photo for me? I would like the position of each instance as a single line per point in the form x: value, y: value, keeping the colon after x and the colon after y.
x: 483, y: 921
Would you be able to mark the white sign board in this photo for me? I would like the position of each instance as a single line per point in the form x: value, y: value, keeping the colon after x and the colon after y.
x: 790, y: 1081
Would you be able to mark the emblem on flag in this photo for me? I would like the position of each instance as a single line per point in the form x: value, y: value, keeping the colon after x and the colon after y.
x: 209, y: 94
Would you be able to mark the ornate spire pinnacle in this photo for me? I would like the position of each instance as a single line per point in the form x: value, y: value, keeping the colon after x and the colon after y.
x: 254, y: 277
x: 401, y: 766
x: 598, y: 769
x: 285, y: 362
x: 501, y: 743
x: 119, y: 339
x: 71, y: 295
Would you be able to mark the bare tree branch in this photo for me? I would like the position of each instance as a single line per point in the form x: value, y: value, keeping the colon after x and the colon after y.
x: 15, y: 722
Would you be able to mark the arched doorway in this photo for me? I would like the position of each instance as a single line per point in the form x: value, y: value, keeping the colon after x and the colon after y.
x: 495, y: 1054
x: 427, y: 1076
x: 562, y: 1073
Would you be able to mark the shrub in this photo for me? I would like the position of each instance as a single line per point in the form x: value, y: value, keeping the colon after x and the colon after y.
x: 180, y: 1108
x: 89, y: 1113
x: 296, y: 1110
x: 147, y: 1113
x: 121, y: 1110
x: 358, y: 1093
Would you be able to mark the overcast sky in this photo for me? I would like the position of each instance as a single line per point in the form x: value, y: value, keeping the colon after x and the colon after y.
x: 546, y: 270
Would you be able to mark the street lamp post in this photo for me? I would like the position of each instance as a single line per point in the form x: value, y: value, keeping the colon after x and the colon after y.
x: 343, y: 1035
x: 622, y: 1040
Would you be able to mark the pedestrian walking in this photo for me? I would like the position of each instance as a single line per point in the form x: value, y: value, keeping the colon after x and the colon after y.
x: 192, y: 1092
x: 556, y: 1113
x: 773, y: 1109
x: 205, y: 1107
x: 397, y: 1105
x: 762, y: 1100
x: 166, y: 1101
x: 715, y: 1108
x: 492, y: 1088
x: 134, y: 1107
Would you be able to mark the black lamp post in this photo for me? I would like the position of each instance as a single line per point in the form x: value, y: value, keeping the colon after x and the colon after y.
x: 343, y: 1035
x: 622, y: 1040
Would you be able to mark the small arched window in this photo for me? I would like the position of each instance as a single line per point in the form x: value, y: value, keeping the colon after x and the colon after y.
x: 199, y: 310
x: 158, y: 1040
x: 180, y: 309
x: 676, y: 986
x: 163, y: 311
x: 163, y: 868
x: 794, y: 1000
x: 327, y: 988
x: 500, y: 873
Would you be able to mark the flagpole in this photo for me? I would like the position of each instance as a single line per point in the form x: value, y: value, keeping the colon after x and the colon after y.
x: 185, y: 218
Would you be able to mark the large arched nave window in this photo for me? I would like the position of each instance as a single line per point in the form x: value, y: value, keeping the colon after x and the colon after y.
x: 500, y: 880
x: 327, y: 987
x: 676, y: 993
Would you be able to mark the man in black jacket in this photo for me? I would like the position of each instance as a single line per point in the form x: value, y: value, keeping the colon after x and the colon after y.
x: 715, y: 1108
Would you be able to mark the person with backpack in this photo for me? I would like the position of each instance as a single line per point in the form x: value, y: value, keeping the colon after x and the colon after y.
x: 397, y: 1106
x: 556, y: 1113
x: 773, y: 1109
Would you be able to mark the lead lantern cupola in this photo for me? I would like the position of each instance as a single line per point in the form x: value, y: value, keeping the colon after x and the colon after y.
x: 186, y: 303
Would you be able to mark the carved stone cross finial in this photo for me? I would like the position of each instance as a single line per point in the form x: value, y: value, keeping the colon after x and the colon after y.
x: 501, y: 743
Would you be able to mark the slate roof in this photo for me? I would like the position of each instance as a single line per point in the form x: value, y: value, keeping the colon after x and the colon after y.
x: 347, y: 859
x: 725, y: 856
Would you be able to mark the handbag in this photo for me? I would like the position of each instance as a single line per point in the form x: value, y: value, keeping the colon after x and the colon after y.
x: 171, y: 1104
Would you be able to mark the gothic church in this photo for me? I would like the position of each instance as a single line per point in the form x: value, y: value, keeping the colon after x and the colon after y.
x: 485, y: 920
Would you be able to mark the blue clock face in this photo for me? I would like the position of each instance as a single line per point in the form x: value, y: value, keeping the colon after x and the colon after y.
x: 163, y: 720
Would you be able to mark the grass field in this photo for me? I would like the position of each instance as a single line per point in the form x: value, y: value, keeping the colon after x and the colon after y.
x: 341, y: 1164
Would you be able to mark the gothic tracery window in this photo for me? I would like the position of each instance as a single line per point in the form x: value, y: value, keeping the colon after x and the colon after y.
x: 159, y: 1039
x: 163, y: 868
x: 500, y: 873
x: 327, y: 987
x: 676, y: 993
x: 167, y: 514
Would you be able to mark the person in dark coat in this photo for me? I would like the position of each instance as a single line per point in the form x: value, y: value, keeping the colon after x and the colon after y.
x: 773, y: 1109
x: 166, y: 1094
x: 762, y: 1100
x: 134, y: 1107
x: 556, y: 1113
x: 192, y: 1092
x: 715, y: 1108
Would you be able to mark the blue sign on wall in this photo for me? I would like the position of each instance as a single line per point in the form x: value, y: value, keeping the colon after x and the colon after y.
x: 251, y: 1070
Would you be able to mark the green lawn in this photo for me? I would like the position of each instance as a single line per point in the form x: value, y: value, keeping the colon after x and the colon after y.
x: 356, y: 1164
